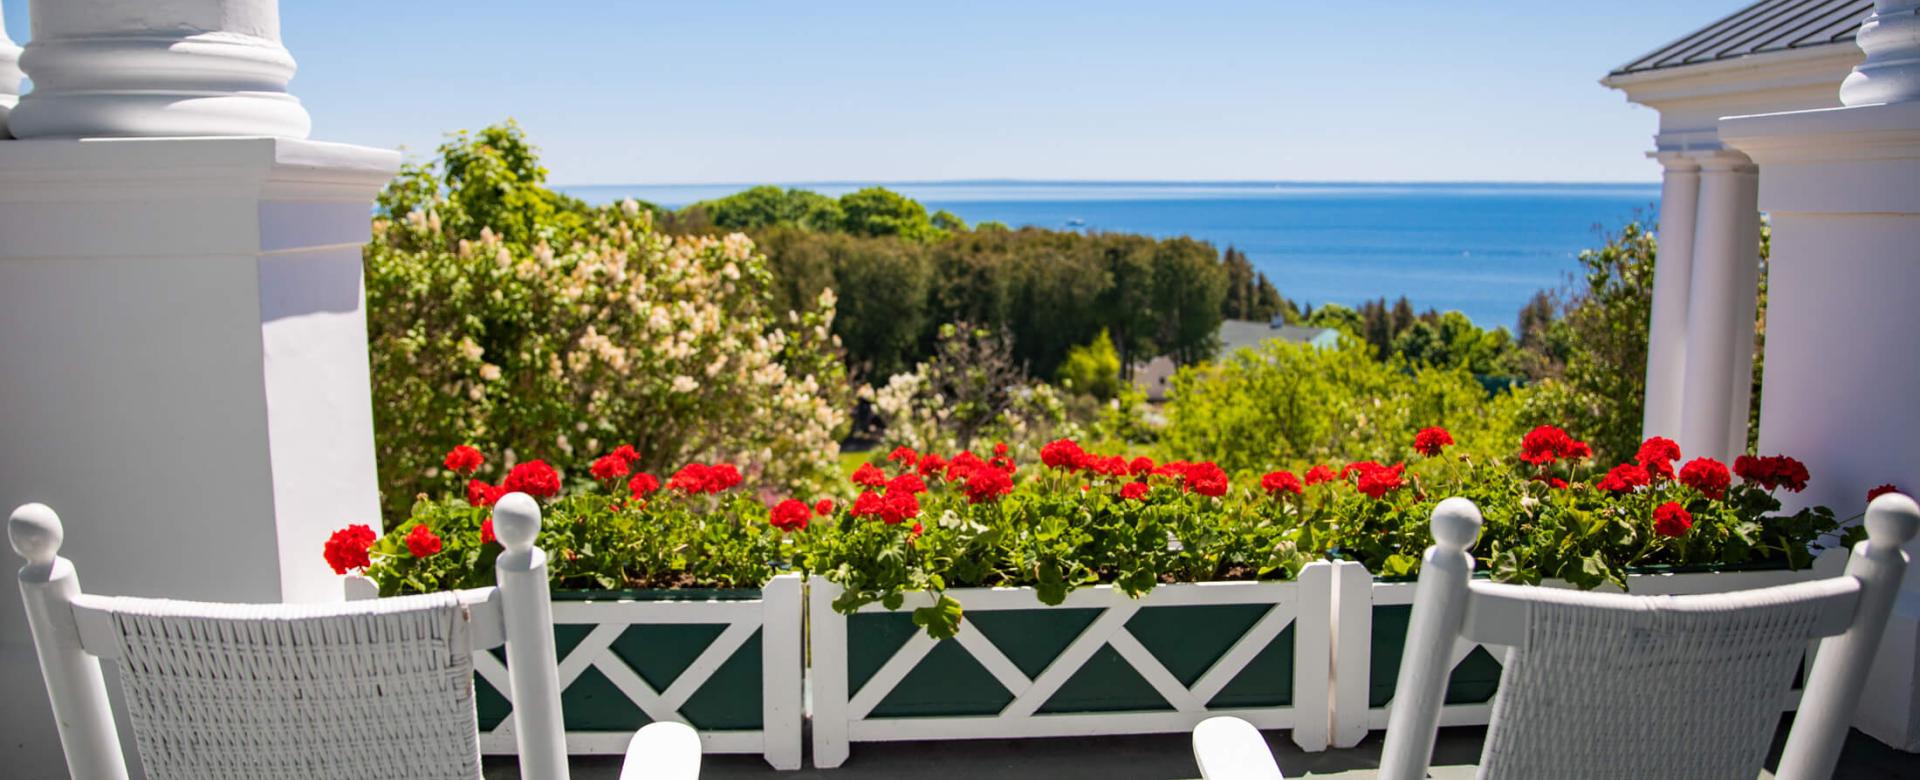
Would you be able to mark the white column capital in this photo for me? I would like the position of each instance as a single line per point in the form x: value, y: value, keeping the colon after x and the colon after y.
x: 1890, y: 37
x: 10, y: 74
x: 130, y: 68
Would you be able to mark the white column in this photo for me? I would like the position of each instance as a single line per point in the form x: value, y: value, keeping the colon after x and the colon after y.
x: 1842, y: 386
x: 1721, y: 297
x: 10, y: 74
x: 1673, y: 269
x: 183, y: 366
x: 137, y: 68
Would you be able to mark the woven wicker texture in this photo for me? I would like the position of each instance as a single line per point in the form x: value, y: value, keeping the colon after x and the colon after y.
x: 1658, y: 687
x: 362, y: 690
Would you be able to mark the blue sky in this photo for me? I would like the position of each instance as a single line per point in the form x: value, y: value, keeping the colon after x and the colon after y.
x: 718, y: 91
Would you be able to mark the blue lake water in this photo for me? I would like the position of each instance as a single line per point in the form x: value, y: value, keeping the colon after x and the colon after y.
x: 1482, y: 249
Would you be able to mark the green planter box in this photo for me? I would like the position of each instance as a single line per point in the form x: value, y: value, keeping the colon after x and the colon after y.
x: 728, y: 663
x: 1371, y: 615
x: 1101, y: 663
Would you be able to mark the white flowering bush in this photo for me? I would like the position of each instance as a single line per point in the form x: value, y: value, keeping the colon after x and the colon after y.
x: 572, y: 330
x: 968, y: 397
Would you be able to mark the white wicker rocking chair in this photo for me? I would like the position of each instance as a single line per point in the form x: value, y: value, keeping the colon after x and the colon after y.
x: 378, y: 688
x: 1608, y: 685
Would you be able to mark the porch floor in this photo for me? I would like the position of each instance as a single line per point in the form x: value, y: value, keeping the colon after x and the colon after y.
x: 1151, y: 757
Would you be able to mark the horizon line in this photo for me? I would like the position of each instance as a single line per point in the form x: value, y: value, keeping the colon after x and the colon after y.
x: 1109, y: 182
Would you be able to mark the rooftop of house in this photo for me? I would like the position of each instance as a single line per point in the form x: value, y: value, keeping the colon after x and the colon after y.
x: 1243, y: 334
x: 1764, y: 27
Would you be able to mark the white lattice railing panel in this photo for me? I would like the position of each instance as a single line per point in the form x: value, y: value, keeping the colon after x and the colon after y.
x: 729, y: 667
x: 1100, y: 663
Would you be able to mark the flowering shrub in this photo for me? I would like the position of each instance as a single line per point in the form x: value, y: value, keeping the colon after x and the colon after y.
x: 928, y: 522
x: 503, y: 315
x: 1552, y: 512
x: 621, y: 532
x: 969, y: 394
x: 925, y: 522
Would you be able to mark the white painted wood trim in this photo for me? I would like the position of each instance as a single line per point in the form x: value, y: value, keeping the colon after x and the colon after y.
x: 841, y: 717
x: 777, y: 615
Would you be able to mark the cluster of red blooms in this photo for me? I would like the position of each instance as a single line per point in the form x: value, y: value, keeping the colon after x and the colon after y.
x: 1204, y: 477
x: 1431, y: 441
x: 347, y: 548
x: 1546, y: 445
x: 704, y: 478
x: 1773, y: 471
x: 1375, y: 480
x: 790, y: 515
x: 534, y: 478
x: 615, y: 464
x: 1672, y: 520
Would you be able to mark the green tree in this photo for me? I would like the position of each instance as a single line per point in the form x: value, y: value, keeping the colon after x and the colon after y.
x: 878, y: 211
x: 767, y: 206
x: 1093, y: 369
x: 1603, y: 334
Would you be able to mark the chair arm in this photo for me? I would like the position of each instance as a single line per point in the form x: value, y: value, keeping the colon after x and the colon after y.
x: 1232, y: 749
x: 662, y: 751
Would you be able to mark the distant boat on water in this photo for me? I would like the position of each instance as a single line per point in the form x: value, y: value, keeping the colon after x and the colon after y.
x: 1076, y: 222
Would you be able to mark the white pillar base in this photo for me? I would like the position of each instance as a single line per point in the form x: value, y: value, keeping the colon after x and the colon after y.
x: 184, y: 370
x: 1842, y: 377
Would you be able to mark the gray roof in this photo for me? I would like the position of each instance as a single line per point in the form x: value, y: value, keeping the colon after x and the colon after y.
x: 1239, y: 334
x: 1766, y: 26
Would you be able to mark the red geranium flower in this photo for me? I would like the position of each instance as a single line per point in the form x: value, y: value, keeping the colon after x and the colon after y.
x: 1549, y: 480
x: 1772, y: 472
x: 907, y: 483
x: 1134, y: 491
x: 1431, y: 441
x: 722, y: 476
x: 1140, y: 466
x: 347, y: 548
x: 963, y: 464
x: 869, y: 476
x: 1657, y: 455
x: 930, y: 464
x: 1708, y: 476
x: 896, y: 508
x: 1279, y: 482
x: 1376, y: 481
x: 987, y: 484
x: 534, y: 478
x: 463, y: 459
x: 486, y: 531
x: 1003, y: 463
x: 1881, y: 491
x: 482, y: 494
x: 1062, y: 454
x: 1319, y: 474
x: 789, y: 515
x: 1671, y: 520
x: 1547, y: 444
x: 1624, y: 478
x: 626, y: 452
x: 905, y: 456
x: 999, y: 449
x: 422, y: 542
x: 823, y: 507
x: 610, y: 467
x: 643, y: 485
x: 869, y: 504
x: 1206, y: 478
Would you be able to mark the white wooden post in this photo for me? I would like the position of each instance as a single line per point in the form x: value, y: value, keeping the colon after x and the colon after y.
x: 521, y: 572
x: 828, y: 636
x: 1439, y: 608
x: 1352, y: 651
x: 1834, y: 687
x: 1313, y: 658
x: 78, y: 693
x: 10, y: 74
x: 783, y: 664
